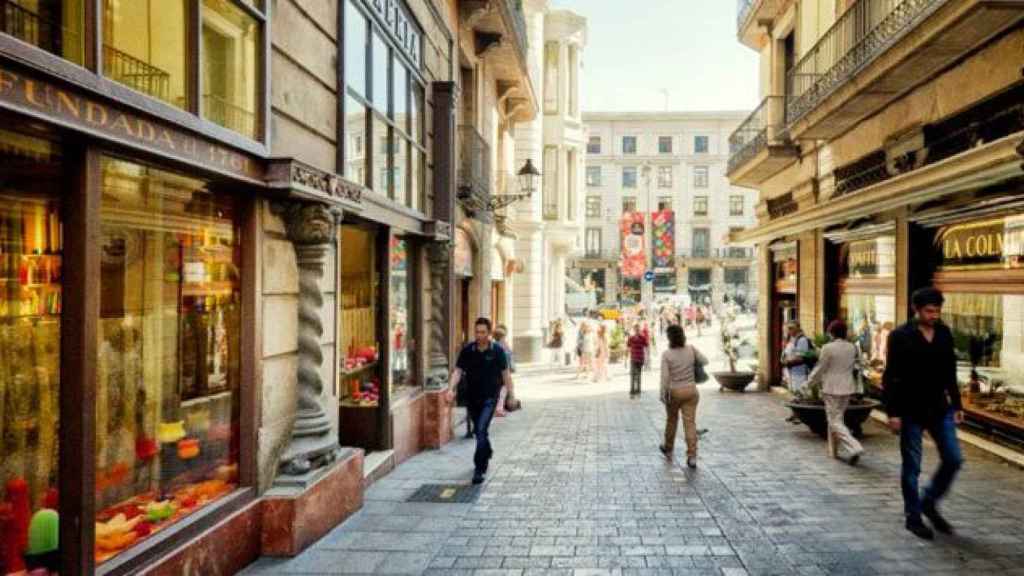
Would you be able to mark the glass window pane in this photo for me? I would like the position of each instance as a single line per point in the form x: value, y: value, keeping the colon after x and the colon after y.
x: 359, y: 344
x: 145, y: 47
x: 416, y: 188
x: 380, y: 145
x: 31, y: 247
x: 401, y: 318
x: 380, y: 74
x: 167, y: 381
x: 230, y: 56
x: 355, y: 141
x: 416, y: 115
x: 355, y: 48
x: 400, y: 87
x: 53, y: 25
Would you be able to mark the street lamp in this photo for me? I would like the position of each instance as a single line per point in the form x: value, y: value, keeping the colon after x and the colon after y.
x: 527, y: 180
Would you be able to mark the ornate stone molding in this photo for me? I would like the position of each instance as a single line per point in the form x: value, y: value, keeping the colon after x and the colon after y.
x: 311, y: 227
x: 304, y: 182
x: 439, y: 255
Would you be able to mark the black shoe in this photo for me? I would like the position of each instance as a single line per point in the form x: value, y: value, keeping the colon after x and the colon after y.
x: 933, y: 516
x: 478, y: 477
x: 919, y: 529
x: 469, y: 434
x: 854, y: 459
x: 665, y: 451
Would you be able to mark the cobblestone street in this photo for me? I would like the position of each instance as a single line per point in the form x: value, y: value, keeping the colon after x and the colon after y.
x: 579, y: 488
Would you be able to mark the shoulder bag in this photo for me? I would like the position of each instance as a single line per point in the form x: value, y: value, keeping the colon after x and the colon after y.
x: 700, y: 376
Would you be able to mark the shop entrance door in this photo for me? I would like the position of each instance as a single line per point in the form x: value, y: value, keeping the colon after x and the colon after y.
x: 784, y: 310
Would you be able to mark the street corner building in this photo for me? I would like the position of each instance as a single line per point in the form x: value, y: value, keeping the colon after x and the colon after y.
x: 887, y: 153
x: 229, y: 251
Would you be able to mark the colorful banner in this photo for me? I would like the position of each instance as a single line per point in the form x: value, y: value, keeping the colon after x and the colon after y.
x: 633, y: 260
x: 664, y: 238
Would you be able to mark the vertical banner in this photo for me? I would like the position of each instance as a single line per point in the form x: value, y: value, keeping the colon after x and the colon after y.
x: 663, y: 234
x: 634, y: 262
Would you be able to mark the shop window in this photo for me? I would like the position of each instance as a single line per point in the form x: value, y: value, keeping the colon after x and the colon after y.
x: 380, y: 155
x: 400, y: 87
x: 31, y: 246
x: 167, y: 379
x: 379, y: 72
x: 356, y: 49
x: 53, y: 25
x: 145, y: 47
x: 229, y: 67
x: 359, y: 384
x: 416, y: 115
x: 355, y: 132
x: 402, y: 320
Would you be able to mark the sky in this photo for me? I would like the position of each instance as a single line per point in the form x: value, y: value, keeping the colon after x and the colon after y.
x: 638, y: 49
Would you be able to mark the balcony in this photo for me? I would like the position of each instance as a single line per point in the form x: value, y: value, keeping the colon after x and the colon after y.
x: 751, y: 17
x: 134, y: 73
x: 734, y: 253
x: 29, y: 26
x: 474, y: 170
x: 499, y: 35
x: 758, y: 149
x: 229, y: 115
x: 879, y: 50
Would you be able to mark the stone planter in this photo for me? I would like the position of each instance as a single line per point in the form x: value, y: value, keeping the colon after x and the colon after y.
x: 735, y: 381
x: 813, y: 415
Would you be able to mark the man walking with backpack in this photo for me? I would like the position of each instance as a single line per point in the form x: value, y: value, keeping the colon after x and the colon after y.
x: 921, y: 394
x: 796, y: 360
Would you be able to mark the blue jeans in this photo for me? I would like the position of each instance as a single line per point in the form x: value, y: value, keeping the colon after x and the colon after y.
x: 943, y: 432
x: 481, y: 414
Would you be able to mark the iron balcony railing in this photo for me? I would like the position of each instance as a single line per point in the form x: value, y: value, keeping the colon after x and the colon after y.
x: 474, y: 175
x: 754, y: 134
x: 135, y: 73
x: 229, y: 115
x: 743, y: 8
x: 861, y: 34
x: 734, y: 253
x: 515, y: 10
x: 30, y: 27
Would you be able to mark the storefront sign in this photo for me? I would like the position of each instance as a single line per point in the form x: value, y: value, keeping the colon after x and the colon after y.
x: 28, y: 95
x: 400, y: 26
x: 633, y: 259
x: 974, y: 245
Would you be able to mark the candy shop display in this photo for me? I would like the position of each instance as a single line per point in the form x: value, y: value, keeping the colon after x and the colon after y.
x: 359, y: 378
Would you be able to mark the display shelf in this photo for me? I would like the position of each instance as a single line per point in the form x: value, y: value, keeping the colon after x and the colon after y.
x: 358, y: 371
x: 200, y: 400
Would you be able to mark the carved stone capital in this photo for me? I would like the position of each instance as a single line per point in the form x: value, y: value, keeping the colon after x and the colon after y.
x: 308, y: 222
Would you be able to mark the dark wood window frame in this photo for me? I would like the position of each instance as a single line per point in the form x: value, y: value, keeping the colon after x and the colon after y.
x: 78, y: 365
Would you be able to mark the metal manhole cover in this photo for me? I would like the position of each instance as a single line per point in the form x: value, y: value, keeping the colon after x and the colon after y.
x: 446, y: 494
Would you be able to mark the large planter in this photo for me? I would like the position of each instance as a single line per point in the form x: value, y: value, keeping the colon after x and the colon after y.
x: 813, y: 415
x: 735, y: 381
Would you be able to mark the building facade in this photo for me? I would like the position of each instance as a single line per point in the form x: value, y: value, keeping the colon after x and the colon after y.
x: 548, y: 225
x: 887, y: 154
x: 669, y: 168
x: 230, y: 235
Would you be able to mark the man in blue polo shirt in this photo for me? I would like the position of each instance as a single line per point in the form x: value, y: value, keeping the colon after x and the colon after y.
x: 484, y: 365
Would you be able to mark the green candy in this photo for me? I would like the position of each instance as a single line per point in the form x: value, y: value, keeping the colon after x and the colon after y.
x: 43, y: 532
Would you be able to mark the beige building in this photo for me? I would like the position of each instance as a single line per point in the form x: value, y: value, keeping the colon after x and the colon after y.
x: 887, y: 153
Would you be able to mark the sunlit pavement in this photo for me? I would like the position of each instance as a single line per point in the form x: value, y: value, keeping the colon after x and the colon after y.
x: 578, y: 487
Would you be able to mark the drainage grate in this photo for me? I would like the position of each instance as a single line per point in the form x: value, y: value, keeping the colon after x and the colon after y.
x: 446, y: 494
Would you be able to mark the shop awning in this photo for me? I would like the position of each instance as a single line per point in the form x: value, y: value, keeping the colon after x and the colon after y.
x: 976, y: 168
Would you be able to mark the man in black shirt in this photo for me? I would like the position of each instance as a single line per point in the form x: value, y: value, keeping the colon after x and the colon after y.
x: 921, y: 394
x: 484, y: 365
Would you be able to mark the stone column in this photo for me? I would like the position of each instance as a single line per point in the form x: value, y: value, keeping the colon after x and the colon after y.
x: 311, y: 227
x: 439, y: 255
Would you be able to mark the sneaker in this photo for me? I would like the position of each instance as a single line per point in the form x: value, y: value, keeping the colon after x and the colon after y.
x: 854, y: 459
x: 691, y: 462
x: 933, y: 516
x: 919, y: 529
x: 478, y: 477
x: 667, y: 452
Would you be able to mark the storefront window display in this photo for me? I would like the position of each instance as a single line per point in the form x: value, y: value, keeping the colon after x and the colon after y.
x: 360, y: 376
x: 402, y: 318
x: 31, y: 248
x: 168, y: 381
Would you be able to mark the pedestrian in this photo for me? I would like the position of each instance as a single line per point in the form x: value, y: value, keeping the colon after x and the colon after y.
x: 507, y: 402
x: 587, y: 346
x: 921, y: 394
x: 699, y: 319
x: 485, y: 367
x: 649, y: 350
x: 557, y: 341
x: 601, y: 352
x: 795, y: 358
x: 835, y: 371
x: 637, y: 345
x: 679, y: 392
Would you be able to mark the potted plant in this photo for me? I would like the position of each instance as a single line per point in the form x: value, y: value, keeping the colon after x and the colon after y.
x: 809, y: 407
x: 734, y: 379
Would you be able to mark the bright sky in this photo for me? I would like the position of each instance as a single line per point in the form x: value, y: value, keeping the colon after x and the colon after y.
x: 637, y: 49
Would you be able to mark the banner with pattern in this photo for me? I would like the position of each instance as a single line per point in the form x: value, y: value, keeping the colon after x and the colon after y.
x: 633, y: 262
x: 664, y: 238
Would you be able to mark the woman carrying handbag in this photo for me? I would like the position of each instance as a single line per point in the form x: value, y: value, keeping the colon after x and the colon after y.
x: 682, y: 368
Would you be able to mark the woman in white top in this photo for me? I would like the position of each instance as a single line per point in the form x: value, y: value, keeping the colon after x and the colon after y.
x: 587, y: 348
x: 679, y: 392
x: 835, y: 371
x: 601, y: 354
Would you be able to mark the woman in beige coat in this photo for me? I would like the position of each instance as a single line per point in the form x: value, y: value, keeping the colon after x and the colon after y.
x: 836, y: 373
x: 679, y: 392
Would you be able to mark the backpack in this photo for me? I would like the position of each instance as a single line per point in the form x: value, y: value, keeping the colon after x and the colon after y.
x: 811, y: 358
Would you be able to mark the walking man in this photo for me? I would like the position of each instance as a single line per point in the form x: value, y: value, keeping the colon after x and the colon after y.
x: 485, y: 366
x: 921, y: 394
x: 637, y: 345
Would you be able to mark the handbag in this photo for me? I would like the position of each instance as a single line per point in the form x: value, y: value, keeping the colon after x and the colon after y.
x: 700, y: 376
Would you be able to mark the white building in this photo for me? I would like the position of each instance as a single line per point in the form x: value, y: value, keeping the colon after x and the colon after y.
x: 644, y: 161
x: 549, y: 225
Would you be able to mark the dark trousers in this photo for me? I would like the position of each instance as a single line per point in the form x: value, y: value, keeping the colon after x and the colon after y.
x: 943, y: 432
x: 481, y: 415
x: 635, y: 371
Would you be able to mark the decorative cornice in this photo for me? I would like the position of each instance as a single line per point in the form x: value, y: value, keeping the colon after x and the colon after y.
x: 438, y: 230
x: 302, y: 181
